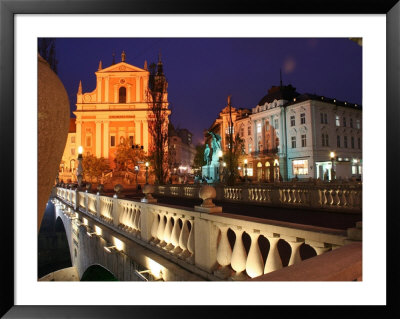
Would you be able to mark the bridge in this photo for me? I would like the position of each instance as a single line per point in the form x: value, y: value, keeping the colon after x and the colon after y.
x: 145, y: 240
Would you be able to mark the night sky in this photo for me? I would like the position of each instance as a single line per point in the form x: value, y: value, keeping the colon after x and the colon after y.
x: 202, y: 72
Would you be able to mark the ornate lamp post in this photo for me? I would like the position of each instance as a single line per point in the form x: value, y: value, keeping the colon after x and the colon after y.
x: 224, y: 170
x: 332, y: 155
x: 79, y: 170
x: 147, y: 171
x: 245, y: 170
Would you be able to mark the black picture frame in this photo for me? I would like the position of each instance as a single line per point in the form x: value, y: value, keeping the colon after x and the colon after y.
x: 8, y: 10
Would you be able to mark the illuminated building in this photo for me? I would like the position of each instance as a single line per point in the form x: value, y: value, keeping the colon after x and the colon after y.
x: 290, y: 135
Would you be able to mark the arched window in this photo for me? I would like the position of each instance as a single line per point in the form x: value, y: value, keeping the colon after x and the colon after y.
x: 122, y: 94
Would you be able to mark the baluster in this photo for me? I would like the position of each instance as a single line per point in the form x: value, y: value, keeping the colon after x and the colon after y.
x: 183, y: 239
x: 274, y: 261
x: 254, y: 263
x: 154, y: 228
x: 335, y: 197
x: 167, y: 232
x: 175, y: 235
x: 239, y: 256
x: 190, y: 245
x: 295, y: 255
x: 161, y: 229
x: 318, y: 249
x: 224, y: 253
x: 344, y: 198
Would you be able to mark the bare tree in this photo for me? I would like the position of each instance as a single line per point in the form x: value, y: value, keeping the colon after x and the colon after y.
x: 158, y: 121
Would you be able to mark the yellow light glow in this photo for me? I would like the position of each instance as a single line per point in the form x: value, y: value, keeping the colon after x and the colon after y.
x: 332, y: 154
x: 98, y: 230
x: 80, y: 150
x: 118, y: 244
x: 147, y: 164
x: 224, y: 164
x: 219, y: 153
x: 155, y: 268
x: 85, y: 222
x: 245, y: 161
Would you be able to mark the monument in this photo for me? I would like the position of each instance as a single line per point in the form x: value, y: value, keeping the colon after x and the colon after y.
x: 210, y: 171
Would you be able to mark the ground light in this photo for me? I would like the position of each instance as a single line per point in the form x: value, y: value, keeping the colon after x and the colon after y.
x: 109, y: 248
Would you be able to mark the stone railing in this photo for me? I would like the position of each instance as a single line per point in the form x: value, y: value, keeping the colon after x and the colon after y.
x: 344, y: 197
x: 224, y: 246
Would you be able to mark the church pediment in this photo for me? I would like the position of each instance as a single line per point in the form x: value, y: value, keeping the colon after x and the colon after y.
x: 121, y: 67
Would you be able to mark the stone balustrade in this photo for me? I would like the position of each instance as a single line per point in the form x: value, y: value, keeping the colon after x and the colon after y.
x: 343, y: 197
x: 225, y: 246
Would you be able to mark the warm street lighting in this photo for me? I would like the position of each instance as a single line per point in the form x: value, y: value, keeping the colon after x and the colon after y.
x: 245, y: 170
x: 109, y: 248
x: 224, y: 164
x: 220, y: 153
x: 147, y: 171
x: 79, y: 170
x: 332, y: 155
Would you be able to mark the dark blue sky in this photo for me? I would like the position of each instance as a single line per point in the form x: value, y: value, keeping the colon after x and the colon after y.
x: 202, y: 72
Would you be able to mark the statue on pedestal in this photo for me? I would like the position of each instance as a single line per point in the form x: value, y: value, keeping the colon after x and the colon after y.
x: 207, y: 155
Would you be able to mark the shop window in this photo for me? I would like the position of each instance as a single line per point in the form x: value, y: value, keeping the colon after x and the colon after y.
x: 300, y: 167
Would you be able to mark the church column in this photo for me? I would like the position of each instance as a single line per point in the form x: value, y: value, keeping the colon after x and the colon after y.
x: 106, y: 97
x: 106, y: 139
x: 146, y: 135
x: 78, y: 133
x: 137, y: 89
x: 137, y: 132
x: 116, y: 95
x: 99, y: 80
x: 98, y: 139
x: 128, y: 93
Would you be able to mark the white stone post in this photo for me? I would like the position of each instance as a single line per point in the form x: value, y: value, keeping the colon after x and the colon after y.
x: 116, y: 210
x: 239, y: 255
x: 274, y: 261
x: 147, y: 220
x: 254, y: 263
x: 205, y: 242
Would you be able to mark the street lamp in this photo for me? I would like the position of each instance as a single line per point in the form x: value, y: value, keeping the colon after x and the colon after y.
x: 79, y: 170
x: 245, y: 170
x: 147, y: 171
x: 332, y: 155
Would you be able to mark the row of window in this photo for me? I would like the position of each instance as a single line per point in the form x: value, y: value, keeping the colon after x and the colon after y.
x: 345, y: 142
x: 112, y: 141
x: 303, y: 141
x: 338, y: 122
x: 325, y: 141
x: 302, y: 119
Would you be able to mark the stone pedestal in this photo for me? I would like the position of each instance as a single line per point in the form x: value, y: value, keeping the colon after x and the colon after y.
x: 210, y: 172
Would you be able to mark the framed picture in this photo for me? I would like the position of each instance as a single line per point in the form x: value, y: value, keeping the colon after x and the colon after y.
x: 22, y: 23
